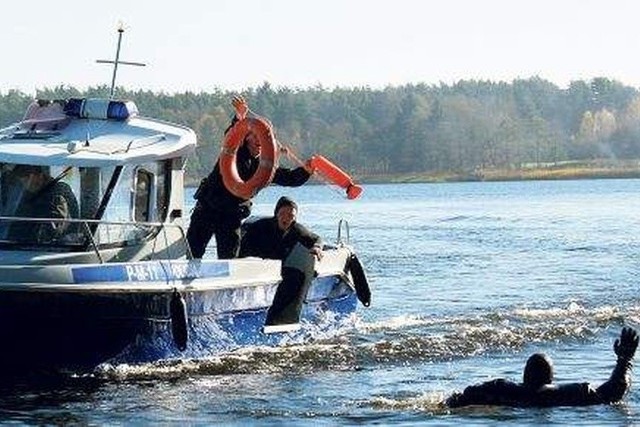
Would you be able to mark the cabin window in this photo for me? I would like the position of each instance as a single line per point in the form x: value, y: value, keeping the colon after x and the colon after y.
x: 143, y: 195
x: 91, y: 192
x: 162, y: 190
x: 138, y: 197
x: 30, y: 198
x: 114, y: 213
x: 150, y: 192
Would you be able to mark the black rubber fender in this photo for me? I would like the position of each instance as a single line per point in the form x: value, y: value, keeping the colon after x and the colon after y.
x: 360, y: 282
x: 178, y: 313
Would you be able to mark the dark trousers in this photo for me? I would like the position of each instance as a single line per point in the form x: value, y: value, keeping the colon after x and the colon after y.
x: 297, y: 275
x: 206, y: 222
x: 289, y: 297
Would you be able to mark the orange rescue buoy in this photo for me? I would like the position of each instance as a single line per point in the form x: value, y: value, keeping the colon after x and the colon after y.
x: 335, y: 175
x: 267, y: 166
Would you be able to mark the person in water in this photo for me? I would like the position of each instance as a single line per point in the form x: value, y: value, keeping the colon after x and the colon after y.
x: 282, y: 237
x: 538, y: 390
x: 217, y: 210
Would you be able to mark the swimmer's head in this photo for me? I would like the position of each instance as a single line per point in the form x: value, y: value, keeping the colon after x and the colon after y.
x: 538, y: 371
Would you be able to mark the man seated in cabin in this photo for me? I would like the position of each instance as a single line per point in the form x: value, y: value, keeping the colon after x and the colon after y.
x: 282, y: 237
x: 538, y: 390
x: 43, y: 197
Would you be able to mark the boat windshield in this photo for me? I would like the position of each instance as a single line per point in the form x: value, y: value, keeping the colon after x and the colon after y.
x: 36, y: 203
x: 58, y: 206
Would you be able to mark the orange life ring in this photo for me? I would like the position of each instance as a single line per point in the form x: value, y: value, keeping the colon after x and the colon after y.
x: 267, y: 166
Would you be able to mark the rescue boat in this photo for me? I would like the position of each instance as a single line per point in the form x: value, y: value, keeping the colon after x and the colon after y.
x: 122, y: 287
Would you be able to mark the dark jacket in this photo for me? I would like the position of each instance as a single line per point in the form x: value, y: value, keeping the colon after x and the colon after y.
x: 213, y: 194
x: 263, y: 239
x: 507, y: 393
x: 54, y: 200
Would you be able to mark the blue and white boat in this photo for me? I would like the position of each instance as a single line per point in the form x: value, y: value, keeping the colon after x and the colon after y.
x: 122, y: 287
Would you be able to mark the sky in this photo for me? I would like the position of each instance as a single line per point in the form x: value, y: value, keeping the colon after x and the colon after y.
x: 204, y: 45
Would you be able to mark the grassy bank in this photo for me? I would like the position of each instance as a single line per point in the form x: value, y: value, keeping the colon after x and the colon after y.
x: 597, y: 169
x: 600, y: 169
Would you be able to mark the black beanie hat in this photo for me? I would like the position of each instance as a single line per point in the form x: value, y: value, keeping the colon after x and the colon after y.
x: 284, y: 201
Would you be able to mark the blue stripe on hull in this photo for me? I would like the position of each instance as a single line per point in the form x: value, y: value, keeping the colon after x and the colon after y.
x: 215, y: 334
x: 150, y: 271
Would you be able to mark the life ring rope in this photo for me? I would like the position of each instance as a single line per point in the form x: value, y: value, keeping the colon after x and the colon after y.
x: 268, y: 157
x: 318, y: 165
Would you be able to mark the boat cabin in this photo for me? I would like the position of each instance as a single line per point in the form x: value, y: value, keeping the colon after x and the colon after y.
x: 92, y: 176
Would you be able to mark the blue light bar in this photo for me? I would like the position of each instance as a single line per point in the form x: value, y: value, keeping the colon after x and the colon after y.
x: 121, y: 110
x: 91, y: 108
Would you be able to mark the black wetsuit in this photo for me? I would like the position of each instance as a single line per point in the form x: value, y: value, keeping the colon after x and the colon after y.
x: 264, y: 239
x: 507, y: 393
x: 219, y: 212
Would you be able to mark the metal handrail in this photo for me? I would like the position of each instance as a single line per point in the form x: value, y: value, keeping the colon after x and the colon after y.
x: 87, y: 229
x: 86, y: 220
x: 341, y: 223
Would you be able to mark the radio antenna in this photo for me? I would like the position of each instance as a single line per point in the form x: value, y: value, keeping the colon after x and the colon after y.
x: 117, y: 61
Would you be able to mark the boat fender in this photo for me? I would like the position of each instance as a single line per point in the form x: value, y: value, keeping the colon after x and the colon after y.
x: 268, y: 161
x: 178, y: 312
x: 360, y: 282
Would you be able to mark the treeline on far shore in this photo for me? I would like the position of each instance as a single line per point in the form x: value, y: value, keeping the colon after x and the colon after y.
x: 471, y: 130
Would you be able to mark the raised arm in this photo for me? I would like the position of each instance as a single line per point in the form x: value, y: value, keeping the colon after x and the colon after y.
x: 625, y: 348
x: 240, y: 108
x: 291, y: 177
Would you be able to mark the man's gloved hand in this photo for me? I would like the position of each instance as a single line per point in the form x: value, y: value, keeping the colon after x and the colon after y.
x: 240, y: 106
x: 625, y: 346
x: 310, y: 165
x: 316, y: 251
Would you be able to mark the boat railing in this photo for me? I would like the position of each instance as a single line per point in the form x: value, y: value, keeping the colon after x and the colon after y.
x: 343, y: 224
x: 28, y: 233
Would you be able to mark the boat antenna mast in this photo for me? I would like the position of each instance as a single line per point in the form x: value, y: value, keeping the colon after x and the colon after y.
x: 117, y: 61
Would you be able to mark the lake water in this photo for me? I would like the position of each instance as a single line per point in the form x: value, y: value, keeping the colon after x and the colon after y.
x: 468, y: 280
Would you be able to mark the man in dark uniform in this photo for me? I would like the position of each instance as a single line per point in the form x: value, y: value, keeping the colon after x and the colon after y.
x: 282, y: 237
x: 274, y: 237
x: 44, y: 197
x: 217, y: 210
x: 538, y: 390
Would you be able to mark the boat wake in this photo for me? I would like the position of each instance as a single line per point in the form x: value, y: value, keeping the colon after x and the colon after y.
x: 397, y: 341
x: 430, y: 403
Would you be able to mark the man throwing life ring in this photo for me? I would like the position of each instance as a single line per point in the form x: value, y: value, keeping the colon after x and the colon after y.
x: 219, y: 209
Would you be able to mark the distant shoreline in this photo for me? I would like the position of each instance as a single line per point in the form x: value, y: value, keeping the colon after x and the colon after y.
x: 550, y: 171
x: 536, y: 172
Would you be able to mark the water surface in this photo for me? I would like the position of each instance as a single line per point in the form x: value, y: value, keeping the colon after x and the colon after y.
x: 468, y: 280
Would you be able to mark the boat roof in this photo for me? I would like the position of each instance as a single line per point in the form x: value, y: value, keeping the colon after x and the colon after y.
x: 91, y: 133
